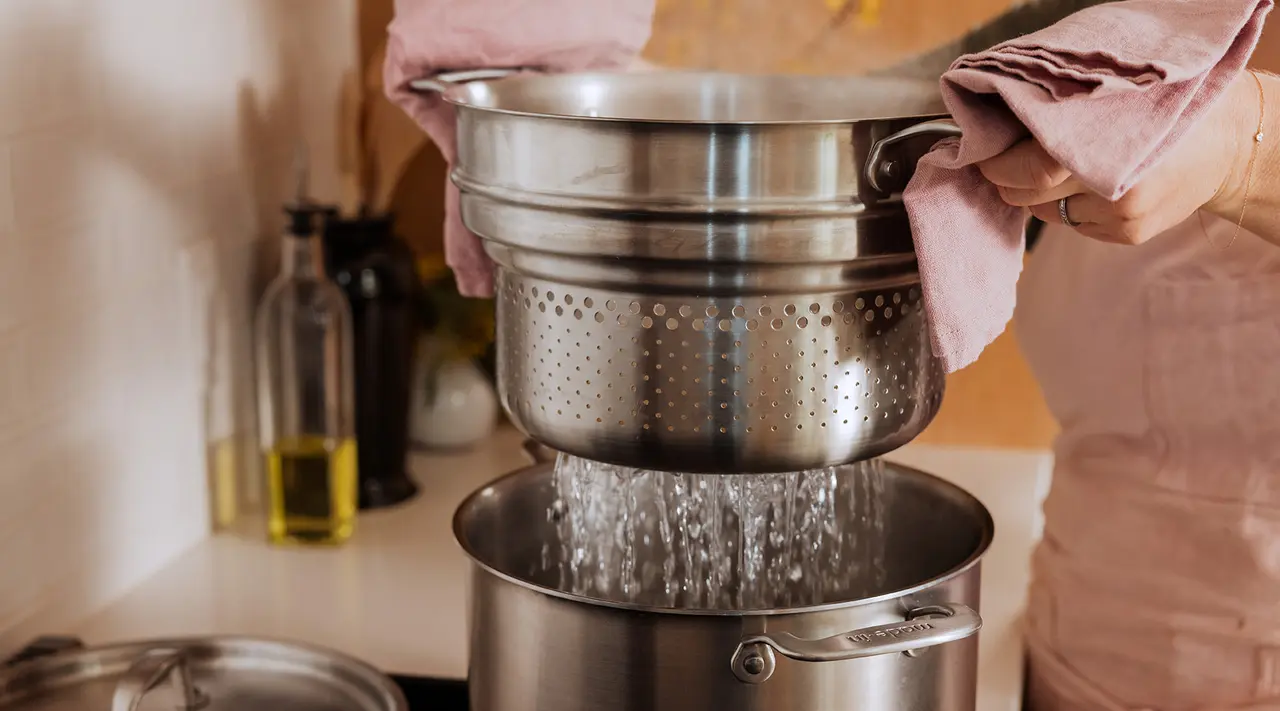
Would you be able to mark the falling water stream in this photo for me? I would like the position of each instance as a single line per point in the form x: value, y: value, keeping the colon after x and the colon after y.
x: 717, y: 542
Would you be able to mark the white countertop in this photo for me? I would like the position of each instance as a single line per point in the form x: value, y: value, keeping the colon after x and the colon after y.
x: 396, y: 595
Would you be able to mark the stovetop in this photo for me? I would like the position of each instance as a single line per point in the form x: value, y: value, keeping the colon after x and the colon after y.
x: 430, y: 694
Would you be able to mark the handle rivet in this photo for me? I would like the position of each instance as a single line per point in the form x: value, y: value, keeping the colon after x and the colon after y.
x: 753, y: 663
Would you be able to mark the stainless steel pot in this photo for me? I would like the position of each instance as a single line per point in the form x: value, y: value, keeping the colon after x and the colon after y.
x: 912, y: 646
x: 241, y: 673
x: 702, y: 272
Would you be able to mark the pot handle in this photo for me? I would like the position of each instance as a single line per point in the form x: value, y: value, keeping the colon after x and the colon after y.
x: 151, y: 670
x: 442, y: 82
x: 754, y: 661
x: 883, y: 174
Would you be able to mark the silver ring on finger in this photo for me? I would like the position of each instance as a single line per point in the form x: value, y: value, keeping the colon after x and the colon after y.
x: 1065, y: 214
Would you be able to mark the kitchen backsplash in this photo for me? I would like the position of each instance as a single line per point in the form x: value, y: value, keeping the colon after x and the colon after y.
x: 145, y: 149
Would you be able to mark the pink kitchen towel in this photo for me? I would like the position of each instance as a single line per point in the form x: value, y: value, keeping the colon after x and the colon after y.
x: 430, y: 36
x: 1106, y: 91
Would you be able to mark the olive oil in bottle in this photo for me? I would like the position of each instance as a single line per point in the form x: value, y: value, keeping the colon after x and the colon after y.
x: 311, y: 490
x: 306, y: 397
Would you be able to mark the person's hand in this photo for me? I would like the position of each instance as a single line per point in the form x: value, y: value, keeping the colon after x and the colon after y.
x: 1199, y: 172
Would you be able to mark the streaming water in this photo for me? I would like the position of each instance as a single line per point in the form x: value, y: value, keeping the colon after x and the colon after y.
x: 719, y: 542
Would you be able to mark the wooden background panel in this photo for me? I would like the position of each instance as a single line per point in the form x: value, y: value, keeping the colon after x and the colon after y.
x: 1268, y: 54
x: 830, y: 36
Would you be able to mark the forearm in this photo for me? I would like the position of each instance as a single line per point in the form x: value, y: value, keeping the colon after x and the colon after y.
x: 1251, y: 195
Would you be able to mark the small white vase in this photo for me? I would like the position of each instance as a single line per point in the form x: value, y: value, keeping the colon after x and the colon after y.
x: 459, y: 411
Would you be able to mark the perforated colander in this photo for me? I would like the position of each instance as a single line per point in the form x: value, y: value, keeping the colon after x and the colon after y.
x: 702, y: 272
x: 749, y: 384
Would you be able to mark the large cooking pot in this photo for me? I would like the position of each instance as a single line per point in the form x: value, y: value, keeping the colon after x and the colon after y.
x: 702, y: 272
x: 910, y: 645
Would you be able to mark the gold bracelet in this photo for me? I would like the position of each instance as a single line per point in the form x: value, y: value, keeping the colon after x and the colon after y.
x: 1258, y: 137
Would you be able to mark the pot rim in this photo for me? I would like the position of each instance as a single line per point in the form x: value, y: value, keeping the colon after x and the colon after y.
x: 457, y: 95
x: 974, y: 559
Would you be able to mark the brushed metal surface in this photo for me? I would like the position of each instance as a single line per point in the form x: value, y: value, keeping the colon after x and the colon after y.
x: 536, y: 648
x: 765, y: 298
x: 734, y: 384
x: 207, y: 673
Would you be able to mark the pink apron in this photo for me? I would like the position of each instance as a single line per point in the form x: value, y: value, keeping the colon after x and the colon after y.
x: 1157, y: 584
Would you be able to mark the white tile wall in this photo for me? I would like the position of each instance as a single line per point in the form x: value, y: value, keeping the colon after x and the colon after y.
x: 145, y: 149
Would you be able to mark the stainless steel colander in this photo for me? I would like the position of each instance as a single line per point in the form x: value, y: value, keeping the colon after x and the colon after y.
x: 703, y: 272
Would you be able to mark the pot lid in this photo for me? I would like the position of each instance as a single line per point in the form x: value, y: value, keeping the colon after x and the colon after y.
x: 198, y: 674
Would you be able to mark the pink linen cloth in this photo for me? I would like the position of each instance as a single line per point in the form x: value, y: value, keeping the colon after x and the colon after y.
x: 1107, y: 91
x: 431, y: 36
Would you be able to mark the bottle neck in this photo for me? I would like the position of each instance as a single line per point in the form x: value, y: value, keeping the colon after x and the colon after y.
x: 302, y: 257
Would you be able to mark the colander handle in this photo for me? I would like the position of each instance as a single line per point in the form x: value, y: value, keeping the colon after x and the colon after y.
x: 882, y: 174
x: 754, y: 660
x: 443, y: 81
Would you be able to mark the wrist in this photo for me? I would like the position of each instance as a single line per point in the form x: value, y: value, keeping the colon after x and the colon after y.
x: 1237, y: 122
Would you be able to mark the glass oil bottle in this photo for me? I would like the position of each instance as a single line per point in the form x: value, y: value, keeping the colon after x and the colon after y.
x: 306, y: 396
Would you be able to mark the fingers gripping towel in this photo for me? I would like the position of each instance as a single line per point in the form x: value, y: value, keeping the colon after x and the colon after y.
x: 1107, y: 91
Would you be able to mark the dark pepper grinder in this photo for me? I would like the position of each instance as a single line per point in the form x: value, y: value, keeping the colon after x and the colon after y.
x: 376, y: 270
